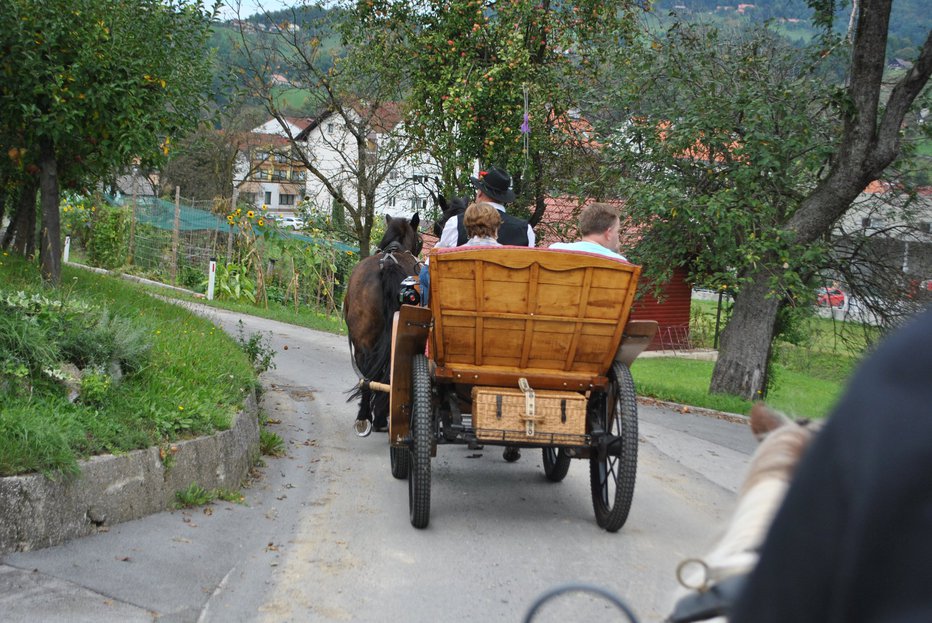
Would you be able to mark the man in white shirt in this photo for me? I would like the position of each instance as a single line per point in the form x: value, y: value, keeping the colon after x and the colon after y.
x: 598, y: 225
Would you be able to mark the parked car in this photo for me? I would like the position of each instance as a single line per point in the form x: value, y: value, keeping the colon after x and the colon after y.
x: 926, y: 285
x: 291, y: 221
x: 830, y: 297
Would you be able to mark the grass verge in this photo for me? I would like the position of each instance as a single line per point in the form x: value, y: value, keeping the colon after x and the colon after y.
x: 303, y: 316
x: 686, y: 381
x: 194, y: 379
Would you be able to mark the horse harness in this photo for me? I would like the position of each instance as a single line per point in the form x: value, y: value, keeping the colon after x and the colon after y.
x: 388, y: 253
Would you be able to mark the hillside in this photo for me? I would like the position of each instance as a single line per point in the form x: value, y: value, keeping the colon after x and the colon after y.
x: 909, y: 21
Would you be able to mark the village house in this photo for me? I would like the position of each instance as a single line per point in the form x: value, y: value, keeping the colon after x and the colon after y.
x: 269, y: 173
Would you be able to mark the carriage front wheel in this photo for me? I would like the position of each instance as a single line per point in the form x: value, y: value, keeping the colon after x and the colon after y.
x: 400, y: 457
x: 419, y: 458
x: 613, y: 465
x: 556, y: 463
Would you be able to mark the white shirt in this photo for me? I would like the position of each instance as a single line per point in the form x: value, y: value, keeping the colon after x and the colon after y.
x: 589, y: 247
x: 451, y: 234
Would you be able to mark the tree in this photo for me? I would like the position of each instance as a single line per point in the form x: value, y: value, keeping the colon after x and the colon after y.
x: 90, y: 85
x: 478, y: 67
x: 772, y: 157
x: 203, y: 163
x: 359, y: 92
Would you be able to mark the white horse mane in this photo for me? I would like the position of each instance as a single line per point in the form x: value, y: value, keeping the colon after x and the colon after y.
x: 760, y: 496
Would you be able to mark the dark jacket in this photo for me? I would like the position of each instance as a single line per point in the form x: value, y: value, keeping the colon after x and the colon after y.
x: 512, y: 231
x: 853, y: 540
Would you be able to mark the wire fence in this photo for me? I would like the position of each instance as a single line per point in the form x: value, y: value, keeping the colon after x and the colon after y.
x: 174, y: 242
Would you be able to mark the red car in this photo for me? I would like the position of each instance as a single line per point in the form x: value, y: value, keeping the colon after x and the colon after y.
x: 830, y: 297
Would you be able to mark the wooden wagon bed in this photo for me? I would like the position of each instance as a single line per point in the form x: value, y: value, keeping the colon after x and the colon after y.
x: 555, y: 318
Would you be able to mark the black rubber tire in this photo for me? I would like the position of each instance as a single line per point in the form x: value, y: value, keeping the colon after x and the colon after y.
x: 419, y: 466
x: 556, y: 463
x: 401, y: 461
x: 611, y: 479
x: 511, y: 453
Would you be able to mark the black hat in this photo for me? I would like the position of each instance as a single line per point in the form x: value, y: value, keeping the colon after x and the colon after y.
x: 496, y: 183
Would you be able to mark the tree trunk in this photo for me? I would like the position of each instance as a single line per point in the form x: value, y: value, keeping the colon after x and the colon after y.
x: 744, y: 352
x: 869, y: 143
x: 22, y: 230
x: 3, y: 198
x: 50, y: 239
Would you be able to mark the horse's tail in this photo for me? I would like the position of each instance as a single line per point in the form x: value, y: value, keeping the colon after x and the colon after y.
x: 375, y: 364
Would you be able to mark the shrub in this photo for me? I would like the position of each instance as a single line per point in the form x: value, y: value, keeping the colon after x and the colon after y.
x: 257, y: 347
x: 107, y: 245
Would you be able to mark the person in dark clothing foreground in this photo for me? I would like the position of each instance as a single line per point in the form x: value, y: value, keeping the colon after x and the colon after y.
x: 853, y: 539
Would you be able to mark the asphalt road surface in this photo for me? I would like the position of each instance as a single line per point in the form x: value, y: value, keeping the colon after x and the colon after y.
x: 324, y: 533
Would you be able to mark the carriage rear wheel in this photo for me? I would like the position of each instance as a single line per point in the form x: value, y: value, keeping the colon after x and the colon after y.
x: 612, y: 472
x: 419, y: 457
x: 401, y: 460
x: 556, y: 463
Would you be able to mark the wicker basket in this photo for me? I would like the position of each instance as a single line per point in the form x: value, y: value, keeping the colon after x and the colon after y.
x: 550, y: 417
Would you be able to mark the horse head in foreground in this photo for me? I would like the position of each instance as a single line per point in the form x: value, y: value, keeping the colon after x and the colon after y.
x: 711, y: 583
x: 372, y: 298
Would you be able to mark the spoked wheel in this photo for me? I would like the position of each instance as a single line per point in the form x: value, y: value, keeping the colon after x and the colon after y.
x: 613, y: 467
x: 401, y: 460
x: 556, y: 463
x: 419, y: 457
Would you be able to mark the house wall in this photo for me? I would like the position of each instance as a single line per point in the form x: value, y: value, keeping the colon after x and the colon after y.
x: 672, y: 314
x: 404, y: 190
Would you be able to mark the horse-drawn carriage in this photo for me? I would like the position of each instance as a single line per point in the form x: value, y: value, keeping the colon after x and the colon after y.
x: 522, y: 348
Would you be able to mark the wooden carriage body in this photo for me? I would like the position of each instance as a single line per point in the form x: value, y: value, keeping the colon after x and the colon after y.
x: 557, y: 319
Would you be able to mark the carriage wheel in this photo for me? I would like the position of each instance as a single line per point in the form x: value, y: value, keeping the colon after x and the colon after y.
x: 401, y: 461
x: 611, y: 476
x: 419, y: 466
x: 556, y: 463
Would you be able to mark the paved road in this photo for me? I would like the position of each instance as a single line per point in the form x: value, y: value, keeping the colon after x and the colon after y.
x: 324, y: 533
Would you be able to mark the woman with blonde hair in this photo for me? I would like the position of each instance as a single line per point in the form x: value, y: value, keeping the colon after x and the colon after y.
x: 482, y: 221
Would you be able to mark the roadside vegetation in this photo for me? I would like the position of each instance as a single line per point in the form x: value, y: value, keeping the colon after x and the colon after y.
x: 812, y: 364
x: 100, y: 366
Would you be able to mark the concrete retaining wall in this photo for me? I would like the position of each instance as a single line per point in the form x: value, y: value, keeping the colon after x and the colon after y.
x: 37, y: 512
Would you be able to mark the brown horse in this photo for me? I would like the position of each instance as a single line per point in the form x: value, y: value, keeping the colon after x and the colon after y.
x: 372, y: 298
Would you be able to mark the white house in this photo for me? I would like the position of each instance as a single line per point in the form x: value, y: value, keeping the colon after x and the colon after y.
x: 332, y: 148
x: 267, y: 172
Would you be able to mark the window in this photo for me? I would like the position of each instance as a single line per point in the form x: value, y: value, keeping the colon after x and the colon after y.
x: 393, y: 175
x: 249, y: 198
x: 329, y: 128
x: 286, y: 200
x: 925, y: 227
x: 268, y: 197
x: 391, y: 201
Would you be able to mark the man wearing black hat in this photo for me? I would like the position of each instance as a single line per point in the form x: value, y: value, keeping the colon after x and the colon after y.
x: 493, y: 186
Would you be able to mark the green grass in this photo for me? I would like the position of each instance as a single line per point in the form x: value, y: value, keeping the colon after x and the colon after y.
x: 271, y: 444
x: 194, y: 380
x: 808, y: 378
x: 303, y: 316
x: 686, y: 381
x: 195, y: 495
